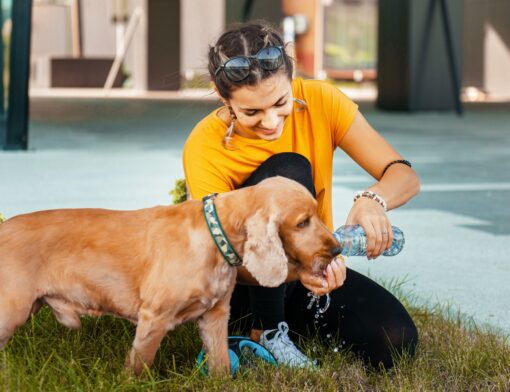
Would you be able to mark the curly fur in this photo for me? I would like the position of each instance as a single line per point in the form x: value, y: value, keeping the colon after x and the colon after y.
x: 264, y: 256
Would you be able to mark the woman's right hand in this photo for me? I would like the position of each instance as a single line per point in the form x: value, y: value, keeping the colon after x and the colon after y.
x: 335, y: 278
x: 371, y: 216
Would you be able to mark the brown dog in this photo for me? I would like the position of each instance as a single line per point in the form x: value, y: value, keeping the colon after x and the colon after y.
x: 157, y: 267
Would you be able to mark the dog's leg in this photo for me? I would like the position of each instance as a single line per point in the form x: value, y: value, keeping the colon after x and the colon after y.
x: 14, y: 312
x: 150, y: 331
x: 213, y: 327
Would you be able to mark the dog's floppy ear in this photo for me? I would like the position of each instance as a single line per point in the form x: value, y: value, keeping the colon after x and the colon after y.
x: 264, y: 256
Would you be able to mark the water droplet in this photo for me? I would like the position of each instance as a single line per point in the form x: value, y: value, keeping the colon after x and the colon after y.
x: 313, y: 299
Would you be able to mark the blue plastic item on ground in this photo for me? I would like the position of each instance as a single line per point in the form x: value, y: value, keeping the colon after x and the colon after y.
x: 241, y: 351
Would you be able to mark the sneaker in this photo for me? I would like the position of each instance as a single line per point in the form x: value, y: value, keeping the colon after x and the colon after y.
x: 282, y: 348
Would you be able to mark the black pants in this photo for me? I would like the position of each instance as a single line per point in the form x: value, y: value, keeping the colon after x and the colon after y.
x: 363, y: 316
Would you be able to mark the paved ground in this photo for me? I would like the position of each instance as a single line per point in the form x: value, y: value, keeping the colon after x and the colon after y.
x: 125, y: 154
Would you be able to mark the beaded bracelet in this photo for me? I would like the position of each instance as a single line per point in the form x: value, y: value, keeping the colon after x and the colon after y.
x: 371, y: 195
x: 404, y: 161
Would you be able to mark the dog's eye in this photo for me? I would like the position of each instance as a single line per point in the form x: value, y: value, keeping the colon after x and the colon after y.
x: 304, y: 223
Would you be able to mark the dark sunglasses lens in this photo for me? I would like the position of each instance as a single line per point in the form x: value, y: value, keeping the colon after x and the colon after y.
x: 237, y: 68
x: 270, y: 58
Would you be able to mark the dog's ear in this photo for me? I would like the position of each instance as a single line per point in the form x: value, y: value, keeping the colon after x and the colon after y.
x: 264, y: 256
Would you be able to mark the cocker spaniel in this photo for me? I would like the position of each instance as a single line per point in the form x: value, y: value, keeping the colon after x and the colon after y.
x: 157, y: 267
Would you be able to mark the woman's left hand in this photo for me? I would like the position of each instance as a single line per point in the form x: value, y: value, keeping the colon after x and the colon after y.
x: 333, y: 279
x: 371, y: 216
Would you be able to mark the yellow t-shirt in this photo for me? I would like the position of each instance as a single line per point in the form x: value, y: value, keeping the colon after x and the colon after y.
x: 314, y: 132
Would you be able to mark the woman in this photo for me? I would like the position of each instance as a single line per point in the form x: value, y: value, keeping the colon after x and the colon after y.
x: 272, y: 124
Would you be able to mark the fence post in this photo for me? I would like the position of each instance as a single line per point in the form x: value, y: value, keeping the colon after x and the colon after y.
x: 3, y: 132
x: 17, y: 110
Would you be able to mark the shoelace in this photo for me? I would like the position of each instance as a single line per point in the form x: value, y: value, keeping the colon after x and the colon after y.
x: 282, y: 343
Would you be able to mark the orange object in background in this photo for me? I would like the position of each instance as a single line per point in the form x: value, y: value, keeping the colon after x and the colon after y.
x: 309, y: 44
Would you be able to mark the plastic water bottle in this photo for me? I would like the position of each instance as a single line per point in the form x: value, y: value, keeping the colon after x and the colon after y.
x: 353, y: 241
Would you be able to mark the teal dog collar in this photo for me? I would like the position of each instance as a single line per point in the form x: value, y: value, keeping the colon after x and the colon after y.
x: 217, y: 233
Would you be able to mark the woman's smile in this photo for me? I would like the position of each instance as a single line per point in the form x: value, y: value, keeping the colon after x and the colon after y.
x: 271, y: 131
x: 261, y: 110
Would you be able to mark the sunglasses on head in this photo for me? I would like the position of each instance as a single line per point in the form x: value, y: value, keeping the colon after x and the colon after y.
x: 238, y: 68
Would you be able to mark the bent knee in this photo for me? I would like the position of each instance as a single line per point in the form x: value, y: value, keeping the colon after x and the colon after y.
x: 396, y: 342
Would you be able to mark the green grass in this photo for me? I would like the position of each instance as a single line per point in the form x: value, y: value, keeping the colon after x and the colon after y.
x: 453, y: 355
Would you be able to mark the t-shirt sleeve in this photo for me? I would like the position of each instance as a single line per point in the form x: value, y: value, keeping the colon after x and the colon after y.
x: 203, y: 177
x: 340, y: 109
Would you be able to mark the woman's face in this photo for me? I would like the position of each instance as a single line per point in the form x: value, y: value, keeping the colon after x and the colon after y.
x: 262, y: 109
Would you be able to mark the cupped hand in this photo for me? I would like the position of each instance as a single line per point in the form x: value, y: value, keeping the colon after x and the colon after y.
x: 335, y: 274
x: 371, y: 216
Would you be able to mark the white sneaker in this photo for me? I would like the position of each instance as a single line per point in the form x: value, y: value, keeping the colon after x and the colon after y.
x: 283, y: 349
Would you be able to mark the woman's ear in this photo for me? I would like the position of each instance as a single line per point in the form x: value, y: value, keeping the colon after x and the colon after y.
x: 264, y: 256
x: 223, y: 100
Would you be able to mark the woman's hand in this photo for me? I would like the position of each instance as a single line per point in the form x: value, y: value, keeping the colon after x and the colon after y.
x: 335, y: 277
x: 371, y: 216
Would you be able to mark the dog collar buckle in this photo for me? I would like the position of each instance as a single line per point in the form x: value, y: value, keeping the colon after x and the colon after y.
x: 217, y: 233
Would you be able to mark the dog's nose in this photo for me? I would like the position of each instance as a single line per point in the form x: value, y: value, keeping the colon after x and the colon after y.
x: 335, y: 251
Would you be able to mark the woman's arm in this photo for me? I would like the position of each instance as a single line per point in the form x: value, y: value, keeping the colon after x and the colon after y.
x: 398, y: 185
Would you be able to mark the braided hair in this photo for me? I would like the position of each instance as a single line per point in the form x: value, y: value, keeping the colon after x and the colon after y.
x: 245, y: 40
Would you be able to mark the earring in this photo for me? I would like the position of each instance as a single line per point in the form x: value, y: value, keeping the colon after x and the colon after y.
x: 227, y: 139
x: 301, y: 103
